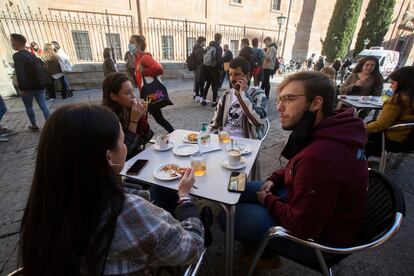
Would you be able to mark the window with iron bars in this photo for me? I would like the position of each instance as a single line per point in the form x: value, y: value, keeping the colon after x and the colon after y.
x: 82, y: 45
x: 167, y: 43
x: 190, y: 44
x: 114, y: 41
x: 276, y: 5
x: 234, y: 46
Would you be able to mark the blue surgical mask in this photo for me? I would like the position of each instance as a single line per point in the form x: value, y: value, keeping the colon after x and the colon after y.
x: 132, y: 48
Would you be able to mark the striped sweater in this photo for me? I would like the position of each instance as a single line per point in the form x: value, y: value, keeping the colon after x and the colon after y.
x: 254, y: 105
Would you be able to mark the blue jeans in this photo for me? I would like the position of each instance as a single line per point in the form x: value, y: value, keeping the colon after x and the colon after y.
x: 3, y: 108
x: 252, y: 221
x: 39, y: 95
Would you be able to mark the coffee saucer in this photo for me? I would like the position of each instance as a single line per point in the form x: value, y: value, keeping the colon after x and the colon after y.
x: 157, y: 147
x: 241, y: 165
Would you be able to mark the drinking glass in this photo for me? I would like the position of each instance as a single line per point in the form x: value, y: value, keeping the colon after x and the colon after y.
x: 224, y: 135
x: 199, y: 164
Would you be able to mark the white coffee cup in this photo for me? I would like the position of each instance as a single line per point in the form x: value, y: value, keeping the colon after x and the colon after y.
x: 233, y: 157
x: 162, y: 141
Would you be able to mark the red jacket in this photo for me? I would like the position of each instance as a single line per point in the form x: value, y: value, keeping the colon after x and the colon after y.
x: 149, y: 66
x: 326, y: 184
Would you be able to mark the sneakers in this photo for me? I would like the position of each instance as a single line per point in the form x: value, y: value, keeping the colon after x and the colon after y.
x: 203, y: 102
x: 3, y: 139
x: 4, y: 132
x: 213, y: 104
x: 198, y: 99
x: 34, y: 128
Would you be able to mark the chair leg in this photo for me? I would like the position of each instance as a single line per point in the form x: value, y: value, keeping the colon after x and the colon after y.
x: 325, y: 270
x: 383, y: 162
x: 253, y: 175
x: 257, y: 255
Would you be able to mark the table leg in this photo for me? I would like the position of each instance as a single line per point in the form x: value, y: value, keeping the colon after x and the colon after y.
x: 230, y: 210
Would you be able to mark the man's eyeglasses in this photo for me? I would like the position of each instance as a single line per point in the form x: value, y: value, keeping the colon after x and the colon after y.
x: 288, y: 98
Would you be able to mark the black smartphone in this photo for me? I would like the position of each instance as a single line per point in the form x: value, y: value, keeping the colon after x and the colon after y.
x: 237, y: 182
x: 137, y: 167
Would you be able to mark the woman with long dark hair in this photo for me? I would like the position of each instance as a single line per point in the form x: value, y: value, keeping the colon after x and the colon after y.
x: 118, y: 95
x: 146, y: 66
x: 79, y: 221
x: 365, y: 79
x: 397, y: 110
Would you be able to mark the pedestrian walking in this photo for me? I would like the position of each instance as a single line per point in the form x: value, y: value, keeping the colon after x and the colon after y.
x: 25, y: 64
x: 130, y: 64
x: 4, y: 132
x: 213, y: 64
x: 146, y: 66
x: 64, y: 64
x: 53, y: 63
x: 268, y: 64
x: 109, y: 65
x: 227, y: 58
x: 197, y: 64
x: 259, y: 56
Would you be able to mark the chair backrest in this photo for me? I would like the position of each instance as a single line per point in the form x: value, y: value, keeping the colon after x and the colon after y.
x: 408, y: 144
x: 267, y: 128
x: 384, y: 201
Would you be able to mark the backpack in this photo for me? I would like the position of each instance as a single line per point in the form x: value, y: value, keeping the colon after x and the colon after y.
x: 42, y: 75
x: 191, y: 62
x: 209, y: 57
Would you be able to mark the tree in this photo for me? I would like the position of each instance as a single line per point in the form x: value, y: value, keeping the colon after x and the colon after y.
x: 341, y: 28
x: 375, y: 24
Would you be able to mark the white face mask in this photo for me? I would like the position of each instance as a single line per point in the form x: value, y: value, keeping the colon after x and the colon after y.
x: 132, y: 48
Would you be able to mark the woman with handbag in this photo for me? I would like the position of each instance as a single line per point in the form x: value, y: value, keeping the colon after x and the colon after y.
x: 118, y: 95
x: 146, y: 66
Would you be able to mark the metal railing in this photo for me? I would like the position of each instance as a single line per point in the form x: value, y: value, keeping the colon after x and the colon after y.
x: 84, y: 35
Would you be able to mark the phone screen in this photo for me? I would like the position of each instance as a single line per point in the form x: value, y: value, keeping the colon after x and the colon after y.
x: 136, y: 167
x: 237, y: 182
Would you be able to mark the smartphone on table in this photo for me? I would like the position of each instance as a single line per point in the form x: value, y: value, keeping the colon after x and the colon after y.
x: 137, y: 167
x: 237, y: 182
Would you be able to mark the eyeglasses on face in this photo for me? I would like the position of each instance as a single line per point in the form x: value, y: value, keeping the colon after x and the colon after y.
x: 288, y: 98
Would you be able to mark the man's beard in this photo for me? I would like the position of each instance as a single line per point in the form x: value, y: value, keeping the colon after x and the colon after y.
x: 299, y: 137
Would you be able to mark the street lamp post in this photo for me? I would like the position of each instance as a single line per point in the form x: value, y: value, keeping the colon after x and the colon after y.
x: 366, y: 42
x: 280, y: 20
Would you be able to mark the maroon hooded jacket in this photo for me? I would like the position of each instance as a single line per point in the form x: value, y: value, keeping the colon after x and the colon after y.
x: 326, y: 183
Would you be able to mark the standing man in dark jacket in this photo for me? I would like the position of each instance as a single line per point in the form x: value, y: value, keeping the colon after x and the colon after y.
x: 247, y: 53
x: 212, y: 71
x: 198, y: 52
x: 25, y: 66
x: 227, y: 58
x: 321, y: 194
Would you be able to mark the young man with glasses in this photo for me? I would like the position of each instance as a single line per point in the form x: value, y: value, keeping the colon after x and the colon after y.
x: 321, y: 193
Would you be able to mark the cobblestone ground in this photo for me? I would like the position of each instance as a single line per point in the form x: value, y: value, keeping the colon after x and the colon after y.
x: 17, y: 158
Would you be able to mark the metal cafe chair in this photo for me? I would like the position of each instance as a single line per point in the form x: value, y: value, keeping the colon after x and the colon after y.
x: 406, y: 147
x: 256, y: 166
x: 192, y: 270
x: 384, y: 215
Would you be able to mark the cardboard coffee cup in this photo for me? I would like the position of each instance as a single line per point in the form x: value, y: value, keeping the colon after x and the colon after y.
x: 233, y: 157
x: 162, y: 141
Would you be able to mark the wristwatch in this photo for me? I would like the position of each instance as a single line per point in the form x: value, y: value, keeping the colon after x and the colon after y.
x: 184, y: 199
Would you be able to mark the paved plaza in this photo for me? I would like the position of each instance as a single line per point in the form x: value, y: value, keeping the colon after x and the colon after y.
x: 17, y: 159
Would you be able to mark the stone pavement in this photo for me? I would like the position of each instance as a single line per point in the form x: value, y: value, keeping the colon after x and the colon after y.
x: 17, y: 158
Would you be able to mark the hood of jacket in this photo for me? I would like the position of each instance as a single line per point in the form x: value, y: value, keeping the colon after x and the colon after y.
x: 342, y: 127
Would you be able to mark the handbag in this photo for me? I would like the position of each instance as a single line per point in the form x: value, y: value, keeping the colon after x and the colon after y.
x: 155, y: 94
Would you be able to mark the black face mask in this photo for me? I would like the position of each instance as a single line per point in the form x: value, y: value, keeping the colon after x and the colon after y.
x: 299, y: 137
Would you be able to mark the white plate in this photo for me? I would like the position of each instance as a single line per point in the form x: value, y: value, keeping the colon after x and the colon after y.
x: 170, y: 146
x: 187, y: 141
x: 230, y: 167
x: 185, y: 150
x: 162, y: 175
x: 242, y: 147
